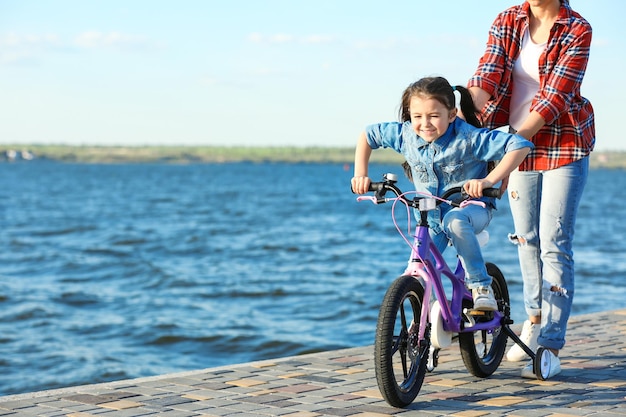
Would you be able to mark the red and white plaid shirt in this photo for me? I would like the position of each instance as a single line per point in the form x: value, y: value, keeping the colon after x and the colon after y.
x: 569, y: 133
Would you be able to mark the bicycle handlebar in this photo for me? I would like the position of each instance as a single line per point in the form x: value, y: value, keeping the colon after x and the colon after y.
x: 381, y: 188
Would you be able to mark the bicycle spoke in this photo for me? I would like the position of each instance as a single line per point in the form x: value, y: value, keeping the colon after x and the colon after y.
x: 405, y: 371
x: 395, y: 345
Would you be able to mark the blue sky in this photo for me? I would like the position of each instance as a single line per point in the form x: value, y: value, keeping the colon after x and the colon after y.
x: 252, y: 72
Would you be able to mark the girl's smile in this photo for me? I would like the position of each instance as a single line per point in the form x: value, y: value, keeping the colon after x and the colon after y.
x: 430, y: 118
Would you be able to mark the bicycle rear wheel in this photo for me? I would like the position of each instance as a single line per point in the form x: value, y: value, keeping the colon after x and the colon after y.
x: 482, y: 351
x: 399, y: 357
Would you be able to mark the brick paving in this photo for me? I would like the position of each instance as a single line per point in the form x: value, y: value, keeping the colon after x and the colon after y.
x: 342, y: 383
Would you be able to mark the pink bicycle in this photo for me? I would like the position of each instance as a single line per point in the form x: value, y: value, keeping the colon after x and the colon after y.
x: 416, y: 317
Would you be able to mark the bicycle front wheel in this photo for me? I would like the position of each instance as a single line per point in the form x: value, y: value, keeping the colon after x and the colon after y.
x: 399, y: 357
x: 482, y: 351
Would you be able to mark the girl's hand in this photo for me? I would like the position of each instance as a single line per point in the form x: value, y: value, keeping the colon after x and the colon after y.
x: 360, y: 185
x: 474, y: 188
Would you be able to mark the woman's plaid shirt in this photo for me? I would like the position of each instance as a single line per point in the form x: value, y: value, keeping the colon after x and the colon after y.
x: 569, y: 133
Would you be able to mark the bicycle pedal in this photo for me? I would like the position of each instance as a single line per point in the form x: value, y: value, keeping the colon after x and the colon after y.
x: 480, y: 313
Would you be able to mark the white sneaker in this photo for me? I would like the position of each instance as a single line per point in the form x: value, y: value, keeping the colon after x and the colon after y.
x: 530, y: 333
x: 553, y: 362
x: 484, y: 299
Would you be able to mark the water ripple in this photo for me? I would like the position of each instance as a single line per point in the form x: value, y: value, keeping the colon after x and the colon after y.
x: 152, y: 269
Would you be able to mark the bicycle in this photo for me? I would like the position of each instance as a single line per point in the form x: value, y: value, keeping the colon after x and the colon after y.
x: 416, y: 319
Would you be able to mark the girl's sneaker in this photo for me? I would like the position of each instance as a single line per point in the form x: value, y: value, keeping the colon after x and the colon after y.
x: 484, y: 299
x: 530, y: 333
x: 555, y: 367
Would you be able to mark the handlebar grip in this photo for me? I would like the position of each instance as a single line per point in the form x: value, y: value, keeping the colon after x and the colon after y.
x: 487, y: 192
x: 376, y: 186
x: 491, y: 192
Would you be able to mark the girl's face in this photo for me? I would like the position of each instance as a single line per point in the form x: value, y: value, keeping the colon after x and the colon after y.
x: 430, y: 118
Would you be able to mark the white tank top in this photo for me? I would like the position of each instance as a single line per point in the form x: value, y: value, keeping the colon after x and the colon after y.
x: 525, y: 80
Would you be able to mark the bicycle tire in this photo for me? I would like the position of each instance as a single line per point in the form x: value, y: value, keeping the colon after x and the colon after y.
x: 399, y: 358
x: 482, y: 351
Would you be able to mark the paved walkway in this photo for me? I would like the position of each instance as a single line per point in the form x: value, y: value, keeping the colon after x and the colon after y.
x: 342, y: 383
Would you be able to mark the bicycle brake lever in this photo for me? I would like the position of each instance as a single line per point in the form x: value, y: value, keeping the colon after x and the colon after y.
x: 367, y: 197
x: 472, y: 202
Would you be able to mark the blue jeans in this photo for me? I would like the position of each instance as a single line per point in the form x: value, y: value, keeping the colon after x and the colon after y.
x: 461, y: 225
x: 544, y: 206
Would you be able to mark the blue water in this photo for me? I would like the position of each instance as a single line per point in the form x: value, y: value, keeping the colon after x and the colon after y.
x: 110, y: 272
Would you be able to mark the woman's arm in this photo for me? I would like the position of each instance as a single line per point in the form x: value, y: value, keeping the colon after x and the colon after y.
x: 480, y: 97
x: 487, y: 82
x: 559, y: 88
x: 533, y: 123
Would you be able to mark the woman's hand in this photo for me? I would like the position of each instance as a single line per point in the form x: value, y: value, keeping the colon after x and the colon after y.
x: 360, y: 184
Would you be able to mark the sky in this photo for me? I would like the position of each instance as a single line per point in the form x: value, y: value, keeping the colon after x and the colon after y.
x: 253, y: 72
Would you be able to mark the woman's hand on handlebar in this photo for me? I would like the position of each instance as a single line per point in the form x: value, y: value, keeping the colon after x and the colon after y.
x: 360, y: 185
x: 474, y: 188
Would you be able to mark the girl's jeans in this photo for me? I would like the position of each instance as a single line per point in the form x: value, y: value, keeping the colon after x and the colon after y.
x: 461, y: 226
x: 544, y: 206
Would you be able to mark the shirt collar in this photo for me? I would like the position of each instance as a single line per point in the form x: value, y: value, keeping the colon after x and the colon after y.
x: 565, y: 13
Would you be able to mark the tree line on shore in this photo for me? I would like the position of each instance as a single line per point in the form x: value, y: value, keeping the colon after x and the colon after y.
x: 225, y: 154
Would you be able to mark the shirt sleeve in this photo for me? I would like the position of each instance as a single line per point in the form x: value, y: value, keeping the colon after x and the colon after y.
x: 386, y: 135
x: 492, y: 145
x: 491, y: 65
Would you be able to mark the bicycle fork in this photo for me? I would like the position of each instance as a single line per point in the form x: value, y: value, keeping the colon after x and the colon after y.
x: 419, y: 271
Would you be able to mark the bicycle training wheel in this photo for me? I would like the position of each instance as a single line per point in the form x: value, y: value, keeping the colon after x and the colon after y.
x: 541, y: 363
x: 399, y: 357
x: 482, y: 350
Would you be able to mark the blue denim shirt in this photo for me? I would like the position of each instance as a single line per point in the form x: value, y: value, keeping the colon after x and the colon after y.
x: 461, y: 154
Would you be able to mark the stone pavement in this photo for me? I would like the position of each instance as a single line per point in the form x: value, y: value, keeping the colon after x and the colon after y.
x: 342, y: 383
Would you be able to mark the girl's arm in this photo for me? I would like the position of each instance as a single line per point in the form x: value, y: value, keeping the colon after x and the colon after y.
x: 360, y: 181
x: 508, y: 163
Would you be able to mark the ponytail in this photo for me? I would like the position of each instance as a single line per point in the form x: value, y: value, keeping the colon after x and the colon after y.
x: 468, y: 108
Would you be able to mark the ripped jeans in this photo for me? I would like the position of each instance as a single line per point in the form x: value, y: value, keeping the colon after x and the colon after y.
x: 544, y: 205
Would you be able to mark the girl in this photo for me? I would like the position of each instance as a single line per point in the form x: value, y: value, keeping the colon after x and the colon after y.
x: 443, y: 151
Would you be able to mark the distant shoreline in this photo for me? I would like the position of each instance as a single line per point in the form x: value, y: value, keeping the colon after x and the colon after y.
x: 223, y: 154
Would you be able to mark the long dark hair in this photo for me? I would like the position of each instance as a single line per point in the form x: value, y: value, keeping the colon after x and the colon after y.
x: 438, y: 88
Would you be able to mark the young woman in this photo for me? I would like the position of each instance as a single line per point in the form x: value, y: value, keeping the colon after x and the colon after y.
x: 443, y: 151
x: 529, y: 78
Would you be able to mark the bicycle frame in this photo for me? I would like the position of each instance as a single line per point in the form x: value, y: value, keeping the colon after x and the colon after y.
x: 404, y: 352
x: 428, y: 264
